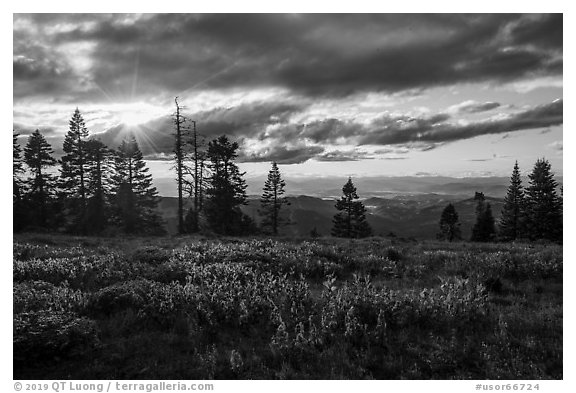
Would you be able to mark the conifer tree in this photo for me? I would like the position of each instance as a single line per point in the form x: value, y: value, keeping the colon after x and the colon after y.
x: 449, y: 225
x: 18, y: 206
x: 99, y: 168
x: 543, y: 206
x: 511, y: 221
x: 272, y: 200
x: 17, y: 168
x: 226, y: 191
x: 135, y: 199
x: 351, y: 221
x: 484, y: 228
x: 38, y: 157
x: 73, y: 176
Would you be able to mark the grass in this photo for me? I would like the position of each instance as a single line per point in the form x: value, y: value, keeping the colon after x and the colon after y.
x: 205, y: 308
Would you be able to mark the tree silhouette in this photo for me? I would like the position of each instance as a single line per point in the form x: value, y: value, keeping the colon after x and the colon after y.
x: 98, y: 167
x: 226, y: 191
x: 543, y: 206
x: 484, y: 228
x: 73, y: 172
x: 17, y: 168
x: 351, y: 221
x: 195, y: 184
x: 272, y: 200
x: 449, y: 225
x: 512, y: 219
x: 38, y: 156
x: 179, y: 159
x: 314, y: 234
x: 18, y: 206
x: 135, y: 199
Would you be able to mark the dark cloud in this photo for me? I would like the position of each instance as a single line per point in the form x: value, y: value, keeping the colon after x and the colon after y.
x: 405, y: 132
x: 475, y: 107
x: 45, y: 130
x: 238, y: 122
x: 542, y: 30
x: 394, y: 132
x: 266, y: 132
x: 312, y: 54
x: 400, y: 150
x: 344, y: 155
x: 282, y: 154
x: 50, y: 133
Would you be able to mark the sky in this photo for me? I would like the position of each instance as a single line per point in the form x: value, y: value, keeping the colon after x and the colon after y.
x: 324, y: 95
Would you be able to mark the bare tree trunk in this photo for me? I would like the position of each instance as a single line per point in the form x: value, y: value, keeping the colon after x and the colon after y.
x: 196, y: 180
x: 179, y: 157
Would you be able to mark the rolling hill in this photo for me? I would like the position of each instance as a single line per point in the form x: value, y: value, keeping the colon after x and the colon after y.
x: 406, y: 215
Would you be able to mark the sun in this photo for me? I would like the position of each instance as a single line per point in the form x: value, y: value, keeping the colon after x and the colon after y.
x: 136, y: 114
x: 133, y: 119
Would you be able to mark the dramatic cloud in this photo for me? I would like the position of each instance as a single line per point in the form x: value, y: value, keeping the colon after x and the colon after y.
x: 421, y: 130
x: 294, y: 87
x: 266, y: 133
x: 311, y: 54
x: 344, y: 155
x: 541, y: 30
x: 282, y: 154
x: 474, y: 107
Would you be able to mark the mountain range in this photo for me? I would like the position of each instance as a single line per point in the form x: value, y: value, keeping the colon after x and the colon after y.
x: 403, y: 215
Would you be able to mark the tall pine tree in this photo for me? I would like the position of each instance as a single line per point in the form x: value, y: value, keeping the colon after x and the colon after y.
x: 484, y: 229
x: 73, y: 172
x: 512, y: 219
x: 135, y: 198
x: 17, y: 168
x: 38, y: 157
x: 272, y: 200
x: 18, y: 206
x: 543, y: 206
x: 226, y: 191
x: 351, y: 221
x: 449, y: 225
x: 99, y: 166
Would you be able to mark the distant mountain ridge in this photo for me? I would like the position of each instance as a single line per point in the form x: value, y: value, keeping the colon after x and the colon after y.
x: 408, y: 215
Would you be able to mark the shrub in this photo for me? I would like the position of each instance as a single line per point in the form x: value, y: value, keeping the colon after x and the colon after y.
x: 46, y: 334
x: 41, y: 295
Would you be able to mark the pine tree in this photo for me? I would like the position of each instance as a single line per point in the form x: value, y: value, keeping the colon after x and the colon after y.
x: 511, y: 221
x: 543, y: 206
x: 73, y: 176
x: 17, y: 168
x: 38, y: 157
x: 351, y: 221
x: 98, y: 167
x: 272, y: 200
x: 135, y: 199
x: 484, y: 228
x: 18, y: 206
x: 226, y: 191
x: 449, y: 225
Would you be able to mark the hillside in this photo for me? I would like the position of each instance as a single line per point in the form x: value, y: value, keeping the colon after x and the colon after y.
x: 407, y: 216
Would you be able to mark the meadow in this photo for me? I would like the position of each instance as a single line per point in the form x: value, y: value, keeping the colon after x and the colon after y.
x: 207, y: 308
